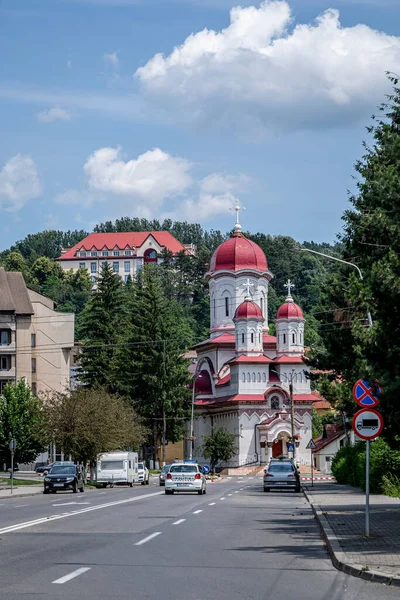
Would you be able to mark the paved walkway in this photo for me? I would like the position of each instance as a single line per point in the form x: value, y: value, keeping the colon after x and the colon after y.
x: 20, y: 490
x: 340, y: 510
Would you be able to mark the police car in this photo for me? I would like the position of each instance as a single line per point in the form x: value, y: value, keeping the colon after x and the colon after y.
x: 185, y: 476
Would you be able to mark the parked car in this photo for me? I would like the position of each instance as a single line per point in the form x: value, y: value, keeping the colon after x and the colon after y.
x: 281, y: 474
x: 163, y: 474
x: 185, y: 477
x: 144, y: 475
x: 65, y: 476
x: 44, y: 468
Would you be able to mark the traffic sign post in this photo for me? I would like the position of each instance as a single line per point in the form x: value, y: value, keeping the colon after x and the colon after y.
x: 12, y: 446
x: 311, y: 446
x: 367, y: 424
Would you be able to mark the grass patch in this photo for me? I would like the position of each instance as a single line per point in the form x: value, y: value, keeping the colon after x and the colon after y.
x: 7, y: 481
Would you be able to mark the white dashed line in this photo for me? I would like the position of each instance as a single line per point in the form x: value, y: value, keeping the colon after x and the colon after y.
x: 179, y: 522
x: 72, y: 575
x: 20, y: 505
x: 229, y: 494
x: 251, y: 477
x: 197, y: 512
x: 236, y: 492
x: 148, y: 538
x: 211, y: 504
x: 241, y: 489
x: 222, y: 498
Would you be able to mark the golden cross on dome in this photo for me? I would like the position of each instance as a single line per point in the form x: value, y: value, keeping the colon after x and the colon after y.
x: 237, y: 208
x: 247, y: 285
x: 289, y: 285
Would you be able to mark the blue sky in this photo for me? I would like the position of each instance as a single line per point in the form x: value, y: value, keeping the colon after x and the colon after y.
x: 100, y: 117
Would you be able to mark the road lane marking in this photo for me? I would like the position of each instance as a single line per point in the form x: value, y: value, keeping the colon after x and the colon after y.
x: 18, y: 526
x: 229, y: 494
x: 236, y: 492
x: 222, y: 498
x: 67, y: 503
x: 72, y: 575
x: 211, y: 504
x: 148, y: 538
x: 197, y: 512
x: 20, y: 505
x: 179, y: 522
x: 241, y: 489
x: 251, y: 477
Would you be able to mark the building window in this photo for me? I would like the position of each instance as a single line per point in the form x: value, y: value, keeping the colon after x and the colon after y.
x: 139, y: 263
x: 327, y: 459
x: 82, y: 265
x: 128, y: 252
x: 252, y: 338
x: 4, y: 338
x: 93, y: 279
x: 104, y: 264
x: 82, y: 254
x: 93, y: 254
x: 33, y: 388
x: 244, y: 377
x: 293, y: 338
x: 126, y: 277
x: 275, y: 402
x: 116, y: 253
x: 264, y: 378
x: 242, y: 338
x: 259, y: 377
x: 127, y: 266
x: 248, y: 377
x: 93, y: 267
x: 104, y: 253
x: 253, y: 377
x: 284, y: 338
x: 33, y: 340
x: 116, y: 267
x: 4, y: 363
x: 33, y: 363
x: 227, y: 307
x: 150, y: 256
x: 262, y: 305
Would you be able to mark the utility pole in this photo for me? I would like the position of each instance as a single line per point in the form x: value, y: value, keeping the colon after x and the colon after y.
x: 292, y: 414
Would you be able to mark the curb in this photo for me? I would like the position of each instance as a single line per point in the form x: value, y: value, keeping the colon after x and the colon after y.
x: 338, y: 557
x: 11, y: 496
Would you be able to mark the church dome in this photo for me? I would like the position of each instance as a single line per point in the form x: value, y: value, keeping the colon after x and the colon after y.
x: 248, y: 310
x: 238, y: 254
x: 289, y: 310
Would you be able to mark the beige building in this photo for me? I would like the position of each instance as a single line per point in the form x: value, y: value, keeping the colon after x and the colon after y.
x: 35, y: 340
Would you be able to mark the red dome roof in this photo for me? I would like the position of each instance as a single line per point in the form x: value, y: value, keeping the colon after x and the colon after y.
x: 289, y: 310
x: 236, y: 254
x: 248, y: 310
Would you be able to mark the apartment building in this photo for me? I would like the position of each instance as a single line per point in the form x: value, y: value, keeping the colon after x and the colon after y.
x: 35, y: 340
x: 126, y: 253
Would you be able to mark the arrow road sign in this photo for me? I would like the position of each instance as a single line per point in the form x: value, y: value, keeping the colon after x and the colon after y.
x: 365, y: 395
x: 311, y: 445
x: 368, y: 424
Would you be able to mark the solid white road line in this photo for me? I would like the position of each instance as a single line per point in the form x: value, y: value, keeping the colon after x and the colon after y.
x: 148, y: 538
x: 18, y: 526
x: 72, y: 575
x: 197, y: 512
x: 179, y: 522
x: 211, y: 504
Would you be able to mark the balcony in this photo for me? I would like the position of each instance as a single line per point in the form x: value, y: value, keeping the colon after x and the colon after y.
x: 10, y: 374
x: 7, y: 348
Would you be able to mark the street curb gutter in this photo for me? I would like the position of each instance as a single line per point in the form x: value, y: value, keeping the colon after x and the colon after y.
x: 337, y: 555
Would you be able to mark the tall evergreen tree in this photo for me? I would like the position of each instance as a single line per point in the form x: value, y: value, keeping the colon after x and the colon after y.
x: 150, y: 368
x: 101, y: 323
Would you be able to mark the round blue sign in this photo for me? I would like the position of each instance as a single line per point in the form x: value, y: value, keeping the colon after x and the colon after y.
x: 206, y: 469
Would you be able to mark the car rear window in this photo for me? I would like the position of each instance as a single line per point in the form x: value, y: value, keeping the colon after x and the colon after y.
x: 140, y: 466
x: 183, y: 469
x: 281, y: 468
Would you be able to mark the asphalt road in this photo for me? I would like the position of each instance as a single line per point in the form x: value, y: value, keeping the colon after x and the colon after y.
x: 235, y: 542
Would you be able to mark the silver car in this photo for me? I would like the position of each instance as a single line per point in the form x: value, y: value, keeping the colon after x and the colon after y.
x: 143, y: 472
x: 281, y: 474
x: 163, y: 474
x: 185, y: 477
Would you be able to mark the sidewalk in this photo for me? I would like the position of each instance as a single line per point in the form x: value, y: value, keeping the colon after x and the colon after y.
x: 20, y: 490
x: 340, y: 511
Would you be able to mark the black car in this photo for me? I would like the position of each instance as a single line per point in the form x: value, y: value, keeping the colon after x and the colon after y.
x: 64, y: 477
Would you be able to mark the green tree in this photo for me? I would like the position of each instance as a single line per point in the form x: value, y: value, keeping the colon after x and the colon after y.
x: 150, y: 368
x: 89, y: 421
x: 317, y: 427
x: 22, y: 419
x: 220, y: 445
x: 101, y: 323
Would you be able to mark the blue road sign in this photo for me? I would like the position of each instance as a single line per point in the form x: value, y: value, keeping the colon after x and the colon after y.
x: 206, y: 469
x: 290, y: 447
x: 365, y: 394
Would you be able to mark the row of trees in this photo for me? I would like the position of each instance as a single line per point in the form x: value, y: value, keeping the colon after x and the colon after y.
x: 83, y: 423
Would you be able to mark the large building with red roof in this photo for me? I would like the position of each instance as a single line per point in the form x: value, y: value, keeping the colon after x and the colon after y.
x: 243, y: 374
x: 125, y: 252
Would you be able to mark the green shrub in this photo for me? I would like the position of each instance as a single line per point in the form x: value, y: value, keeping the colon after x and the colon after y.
x: 391, y: 485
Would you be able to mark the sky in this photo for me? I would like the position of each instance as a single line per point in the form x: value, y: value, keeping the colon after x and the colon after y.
x: 176, y: 108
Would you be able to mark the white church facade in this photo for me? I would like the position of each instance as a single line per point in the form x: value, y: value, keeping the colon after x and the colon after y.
x: 243, y: 374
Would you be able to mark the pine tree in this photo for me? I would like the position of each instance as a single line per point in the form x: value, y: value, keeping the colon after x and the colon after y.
x: 101, y: 322
x: 150, y: 368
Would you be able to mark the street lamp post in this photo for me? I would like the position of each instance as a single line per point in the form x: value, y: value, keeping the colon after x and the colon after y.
x: 345, y: 262
x: 195, y: 378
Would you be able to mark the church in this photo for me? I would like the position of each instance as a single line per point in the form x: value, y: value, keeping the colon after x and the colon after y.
x: 244, y: 375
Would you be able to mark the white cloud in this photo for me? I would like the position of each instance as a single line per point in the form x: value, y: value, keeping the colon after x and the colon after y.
x: 19, y: 183
x: 264, y: 74
x: 111, y: 59
x: 53, y: 114
x: 153, y: 184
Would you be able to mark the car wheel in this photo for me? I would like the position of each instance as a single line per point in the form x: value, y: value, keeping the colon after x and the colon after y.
x: 169, y: 492
x: 143, y: 482
x: 131, y: 484
x: 200, y: 492
x: 205, y: 491
x: 266, y: 489
x: 82, y: 489
x: 104, y: 485
x: 75, y: 488
x: 45, y: 491
x: 148, y: 481
x: 53, y: 491
x: 297, y: 489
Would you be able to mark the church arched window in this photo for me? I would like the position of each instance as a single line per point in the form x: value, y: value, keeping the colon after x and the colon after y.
x: 284, y: 338
x: 259, y: 377
x: 264, y: 377
x: 293, y: 338
x: 253, y: 377
x: 242, y: 338
x: 275, y: 402
x: 244, y: 377
x: 252, y: 338
x: 262, y: 305
x: 248, y: 377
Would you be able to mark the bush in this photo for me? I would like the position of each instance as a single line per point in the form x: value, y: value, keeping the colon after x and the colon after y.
x: 348, y: 465
x: 391, y: 486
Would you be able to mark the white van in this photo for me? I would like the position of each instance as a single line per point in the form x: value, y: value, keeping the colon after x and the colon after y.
x: 116, y: 468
